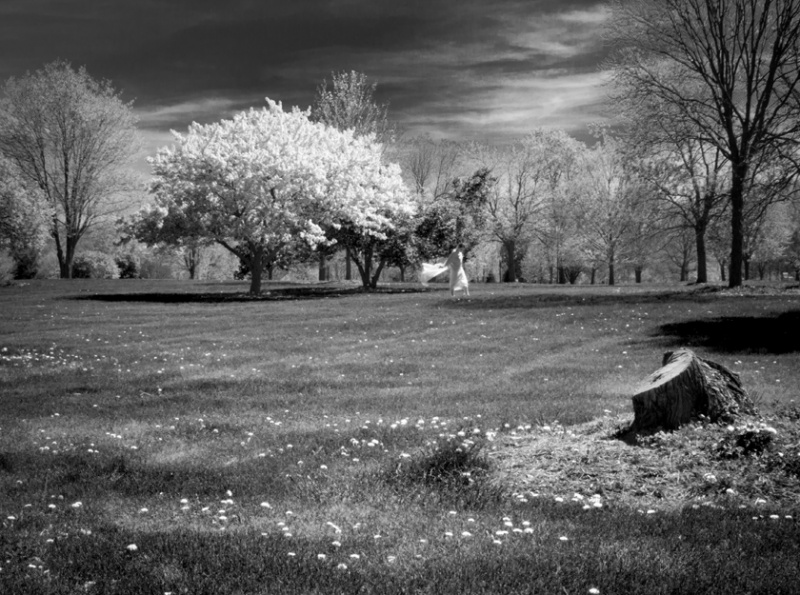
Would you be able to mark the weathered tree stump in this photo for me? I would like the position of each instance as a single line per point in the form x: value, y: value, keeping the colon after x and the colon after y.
x: 685, y: 387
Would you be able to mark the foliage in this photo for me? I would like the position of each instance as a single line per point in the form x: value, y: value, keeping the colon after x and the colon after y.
x: 95, y: 265
x: 457, y: 218
x: 128, y: 266
x: 71, y: 137
x: 22, y: 222
x: 269, y: 181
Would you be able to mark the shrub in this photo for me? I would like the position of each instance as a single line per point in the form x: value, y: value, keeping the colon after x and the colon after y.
x: 454, y: 467
x: 128, y: 266
x: 94, y: 265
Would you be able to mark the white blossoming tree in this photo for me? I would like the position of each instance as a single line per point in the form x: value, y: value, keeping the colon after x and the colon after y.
x: 268, y: 181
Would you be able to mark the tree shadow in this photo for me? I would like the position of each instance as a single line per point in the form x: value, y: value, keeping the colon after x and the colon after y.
x: 272, y: 295
x: 549, y: 298
x: 777, y: 334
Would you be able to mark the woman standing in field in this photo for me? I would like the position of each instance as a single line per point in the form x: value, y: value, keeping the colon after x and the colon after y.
x: 454, y: 264
x: 458, y: 277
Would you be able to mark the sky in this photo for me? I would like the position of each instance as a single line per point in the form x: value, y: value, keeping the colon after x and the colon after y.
x: 483, y: 70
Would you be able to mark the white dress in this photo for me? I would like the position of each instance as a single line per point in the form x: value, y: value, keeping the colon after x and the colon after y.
x: 458, y: 277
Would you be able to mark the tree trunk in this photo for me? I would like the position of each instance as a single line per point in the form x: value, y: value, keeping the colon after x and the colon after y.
x: 746, y: 263
x: 348, y: 273
x: 594, y: 275
x: 739, y: 175
x: 321, y: 266
x: 256, y: 265
x: 638, y: 274
x: 685, y: 387
x: 611, y: 272
x: 511, y: 260
x: 700, y: 247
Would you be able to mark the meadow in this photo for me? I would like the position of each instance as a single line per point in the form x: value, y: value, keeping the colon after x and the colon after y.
x: 165, y: 437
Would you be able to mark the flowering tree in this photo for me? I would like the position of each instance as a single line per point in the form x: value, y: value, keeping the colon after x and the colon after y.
x: 268, y: 180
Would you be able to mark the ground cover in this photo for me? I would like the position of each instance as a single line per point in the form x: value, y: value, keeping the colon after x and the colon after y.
x: 182, y: 437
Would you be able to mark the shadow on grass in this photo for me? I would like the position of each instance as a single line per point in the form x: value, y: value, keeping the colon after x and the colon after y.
x: 739, y: 334
x: 271, y: 295
x: 548, y: 297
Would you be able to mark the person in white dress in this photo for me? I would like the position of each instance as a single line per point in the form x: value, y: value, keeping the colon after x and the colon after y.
x: 454, y: 264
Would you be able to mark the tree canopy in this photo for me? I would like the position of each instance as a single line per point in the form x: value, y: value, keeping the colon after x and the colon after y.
x: 268, y: 180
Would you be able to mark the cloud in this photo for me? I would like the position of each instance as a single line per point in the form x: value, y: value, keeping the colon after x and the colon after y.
x: 482, y: 69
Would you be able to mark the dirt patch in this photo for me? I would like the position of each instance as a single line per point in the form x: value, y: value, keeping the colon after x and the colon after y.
x: 699, y: 464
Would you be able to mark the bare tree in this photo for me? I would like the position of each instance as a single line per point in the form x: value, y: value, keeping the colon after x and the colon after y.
x: 729, y: 67
x: 613, y: 204
x: 72, y: 137
x: 431, y: 165
x: 526, y: 174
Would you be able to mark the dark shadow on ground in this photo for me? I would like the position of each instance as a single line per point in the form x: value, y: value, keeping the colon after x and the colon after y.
x: 544, y: 298
x: 739, y: 334
x: 281, y: 294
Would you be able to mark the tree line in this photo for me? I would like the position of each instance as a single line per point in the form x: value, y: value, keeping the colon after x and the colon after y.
x: 699, y: 162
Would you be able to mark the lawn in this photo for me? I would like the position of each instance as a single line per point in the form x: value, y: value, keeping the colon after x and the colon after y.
x: 181, y: 437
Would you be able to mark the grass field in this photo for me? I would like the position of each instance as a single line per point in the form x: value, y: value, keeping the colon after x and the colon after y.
x: 180, y: 437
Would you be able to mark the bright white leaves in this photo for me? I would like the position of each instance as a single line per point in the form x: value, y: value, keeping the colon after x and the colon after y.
x: 272, y: 176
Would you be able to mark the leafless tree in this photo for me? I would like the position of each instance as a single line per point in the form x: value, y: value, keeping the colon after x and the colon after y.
x: 72, y: 137
x: 731, y: 68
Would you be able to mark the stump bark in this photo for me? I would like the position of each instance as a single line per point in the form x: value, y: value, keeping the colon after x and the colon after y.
x: 685, y: 387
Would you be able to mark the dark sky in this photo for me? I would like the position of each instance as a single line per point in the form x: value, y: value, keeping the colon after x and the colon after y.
x: 488, y: 70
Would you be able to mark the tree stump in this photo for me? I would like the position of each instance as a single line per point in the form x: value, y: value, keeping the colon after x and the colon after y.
x: 685, y: 387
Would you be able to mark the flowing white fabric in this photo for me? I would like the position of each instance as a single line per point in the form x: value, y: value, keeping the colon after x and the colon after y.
x: 454, y: 264
x: 429, y: 271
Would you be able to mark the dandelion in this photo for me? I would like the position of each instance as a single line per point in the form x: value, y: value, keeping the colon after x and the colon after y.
x: 391, y: 559
x: 466, y: 534
x: 336, y: 543
x: 336, y: 528
x: 448, y: 533
x: 265, y: 505
x: 563, y: 538
x: 321, y: 556
x: 497, y: 542
x: 76, y: 504
x: 594, y: 591
x: 355, y: 556
x: 341, y: 566
x: 132, y: 547
x: 291, y: 554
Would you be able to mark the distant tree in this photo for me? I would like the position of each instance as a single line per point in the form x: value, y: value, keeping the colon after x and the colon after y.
x: 431, y: 165
x: 613, y: 202
x: 73, y: 138
x: 347, y: 102
x: 730, y: 68
x: 269, y: 180
x: 527, y: 174
x: 691, y: 177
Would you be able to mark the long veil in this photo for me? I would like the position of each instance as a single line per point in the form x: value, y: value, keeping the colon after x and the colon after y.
x: 429, y: 271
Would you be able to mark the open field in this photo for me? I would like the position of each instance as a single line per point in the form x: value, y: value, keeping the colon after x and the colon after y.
x: 177, y: 437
